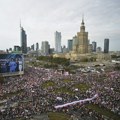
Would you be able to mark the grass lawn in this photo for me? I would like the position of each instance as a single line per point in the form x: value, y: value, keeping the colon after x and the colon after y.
x: 58, y: 116
x: 64, y: 90
x: 82, y: 86
x: 67, y: 80
x: 103, y: 111
x: 48, y: 84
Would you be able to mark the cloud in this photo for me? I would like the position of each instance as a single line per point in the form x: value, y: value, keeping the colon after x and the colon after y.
x: 41, y: 18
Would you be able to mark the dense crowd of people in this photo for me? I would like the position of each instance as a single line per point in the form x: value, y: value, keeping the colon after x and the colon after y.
x: 25, y: 96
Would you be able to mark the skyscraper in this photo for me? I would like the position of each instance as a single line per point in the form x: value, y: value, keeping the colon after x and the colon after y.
x: 106, y: 45
x: 94, y: 45
x: 81, y: 43
x: 23, y: 40
x: 32, y: 47
x: 37, y: 46
x: 57, y: 42
x: 17, y: 48
x: 70, y: 44
x: 45, y: 47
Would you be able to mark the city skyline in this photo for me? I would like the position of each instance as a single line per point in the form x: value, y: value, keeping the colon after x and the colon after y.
x: 41, y: 19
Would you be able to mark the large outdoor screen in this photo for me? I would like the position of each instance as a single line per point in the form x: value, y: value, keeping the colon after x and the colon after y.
x: 11, y: 64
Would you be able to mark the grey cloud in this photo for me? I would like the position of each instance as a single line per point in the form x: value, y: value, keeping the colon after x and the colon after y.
x: 41, y: 18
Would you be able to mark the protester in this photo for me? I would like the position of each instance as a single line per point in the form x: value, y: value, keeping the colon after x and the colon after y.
x: 25, y: 96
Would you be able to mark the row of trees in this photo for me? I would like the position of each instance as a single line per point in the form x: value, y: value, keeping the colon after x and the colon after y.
x: 52, y: 60
x: 115, y: 56
x: 92, y: 59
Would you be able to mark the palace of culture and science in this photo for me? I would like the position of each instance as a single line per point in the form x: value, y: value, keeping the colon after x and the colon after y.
x: 81, y: 47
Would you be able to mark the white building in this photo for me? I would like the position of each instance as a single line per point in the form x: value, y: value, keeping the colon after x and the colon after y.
x: 57, y: 42
x: 45, y: 48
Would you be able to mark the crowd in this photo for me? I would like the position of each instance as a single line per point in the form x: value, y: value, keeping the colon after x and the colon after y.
x: 24, y: 96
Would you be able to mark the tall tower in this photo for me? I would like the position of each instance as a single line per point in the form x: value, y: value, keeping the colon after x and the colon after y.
x: 70, y: 44
x: 82, y: 38
x: 94, y: 45
x: 106, y: 45
x: 58, y: 42
x: 37, y: 46
x: 45, y: 47
x: 23, y: 40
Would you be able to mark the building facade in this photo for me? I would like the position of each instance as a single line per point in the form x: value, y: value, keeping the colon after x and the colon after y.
x: 32, y: 47
x: 70, y: 45
x: 45, y: 48
x: 99, y: 49
x: 17, y: 48
x: 90, y: 47
x: 57, y: 42
x: 81, y: 42
x: 94, y: 45
x: 37, y: 46
x: 64, y: 49
x: 106, y: 46
x: 23, y: 40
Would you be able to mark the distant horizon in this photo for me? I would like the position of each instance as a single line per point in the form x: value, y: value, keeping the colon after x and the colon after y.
x: 41, y: 18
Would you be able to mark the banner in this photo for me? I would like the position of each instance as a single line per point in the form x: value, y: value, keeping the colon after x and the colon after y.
x: 75, y: 102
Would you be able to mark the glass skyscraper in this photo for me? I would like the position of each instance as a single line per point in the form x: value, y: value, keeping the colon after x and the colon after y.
x: 106, y: 45
x: 70, y: 44
x: 57, y: 42
x: 23, y: 40
x: 94, y: 45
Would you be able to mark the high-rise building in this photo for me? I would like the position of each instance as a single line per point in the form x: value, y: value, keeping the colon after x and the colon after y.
x: 70, y: 44
x: 37, y: 46
x: 90, y: 47
x: 106, y: 45
x: 57, y: 42
x: 94, y: 45
x: 23, y: 40
x: 51, y: 51
x: 45, y: 48
x: 28, y: 49
x: 64, y: 49
x: 32, y: 47
x: 17, y: 48
x: 81, y: 42
x: 99, y: 49
x: 75, y: 44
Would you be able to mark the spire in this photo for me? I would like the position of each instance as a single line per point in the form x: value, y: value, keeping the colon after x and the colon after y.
x: 82, y: 28
x: 82, y: 19
x: 20, y: 24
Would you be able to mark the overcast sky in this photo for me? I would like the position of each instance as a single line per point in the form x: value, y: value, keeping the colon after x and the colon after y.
x: 41, y: 18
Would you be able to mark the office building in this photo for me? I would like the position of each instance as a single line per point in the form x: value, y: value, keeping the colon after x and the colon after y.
x: 23, y: 40
x: 45, y: 48
x: 99, y: 49
x: 90, y: 48
x: 70, y: 44
x: 57, y: 42
x: 64, y: 49
x: 32, y: 47
x: 37, y: 46
x: 94, y: 45
x: 17, y: 48
x: 106, y: 45
x: 28, y: 49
